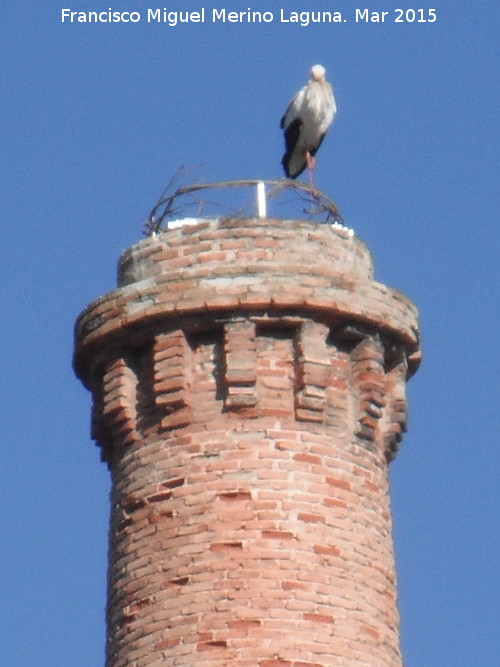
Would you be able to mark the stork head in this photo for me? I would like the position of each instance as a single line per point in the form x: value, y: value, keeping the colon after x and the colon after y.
x: 318, y: 73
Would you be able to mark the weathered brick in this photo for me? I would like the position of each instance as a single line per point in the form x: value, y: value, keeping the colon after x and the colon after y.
x: 244, y: 400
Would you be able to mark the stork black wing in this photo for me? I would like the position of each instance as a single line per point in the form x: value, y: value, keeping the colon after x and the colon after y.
x: 292, y: 133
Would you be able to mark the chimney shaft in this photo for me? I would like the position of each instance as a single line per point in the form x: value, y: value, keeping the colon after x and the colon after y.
x: 248, y: 382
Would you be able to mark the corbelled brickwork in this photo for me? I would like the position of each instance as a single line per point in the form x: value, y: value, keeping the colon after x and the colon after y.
x: 248, y: 379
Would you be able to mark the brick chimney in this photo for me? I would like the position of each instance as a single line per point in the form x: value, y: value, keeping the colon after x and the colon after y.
x: 248, y: 380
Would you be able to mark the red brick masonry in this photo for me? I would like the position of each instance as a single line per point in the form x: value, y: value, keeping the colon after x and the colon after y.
x: 249, y: 389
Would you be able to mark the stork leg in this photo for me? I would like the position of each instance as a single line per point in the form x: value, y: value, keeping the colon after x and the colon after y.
x: 311, y: 163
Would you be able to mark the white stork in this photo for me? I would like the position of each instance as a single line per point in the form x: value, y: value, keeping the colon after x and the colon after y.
x: 305, y: 123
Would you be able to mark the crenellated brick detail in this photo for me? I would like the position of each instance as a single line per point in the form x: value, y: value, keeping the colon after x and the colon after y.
x: 395, y: 419
x: 312, y: 371
x: 240, y: 372
x: 114, y: 413
x: 172, y: 364
x: 98, y: 432
x: 367, y: 360
x: 339, y: 399
x: 325, y: 380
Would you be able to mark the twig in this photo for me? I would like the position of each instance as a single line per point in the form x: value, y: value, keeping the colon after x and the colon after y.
x: 164, y: 207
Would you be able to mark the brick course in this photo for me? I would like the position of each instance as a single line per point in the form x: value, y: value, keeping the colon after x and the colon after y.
x: 248, y: 380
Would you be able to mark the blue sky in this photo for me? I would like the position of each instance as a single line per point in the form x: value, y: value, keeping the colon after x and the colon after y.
x: 96, y: 119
